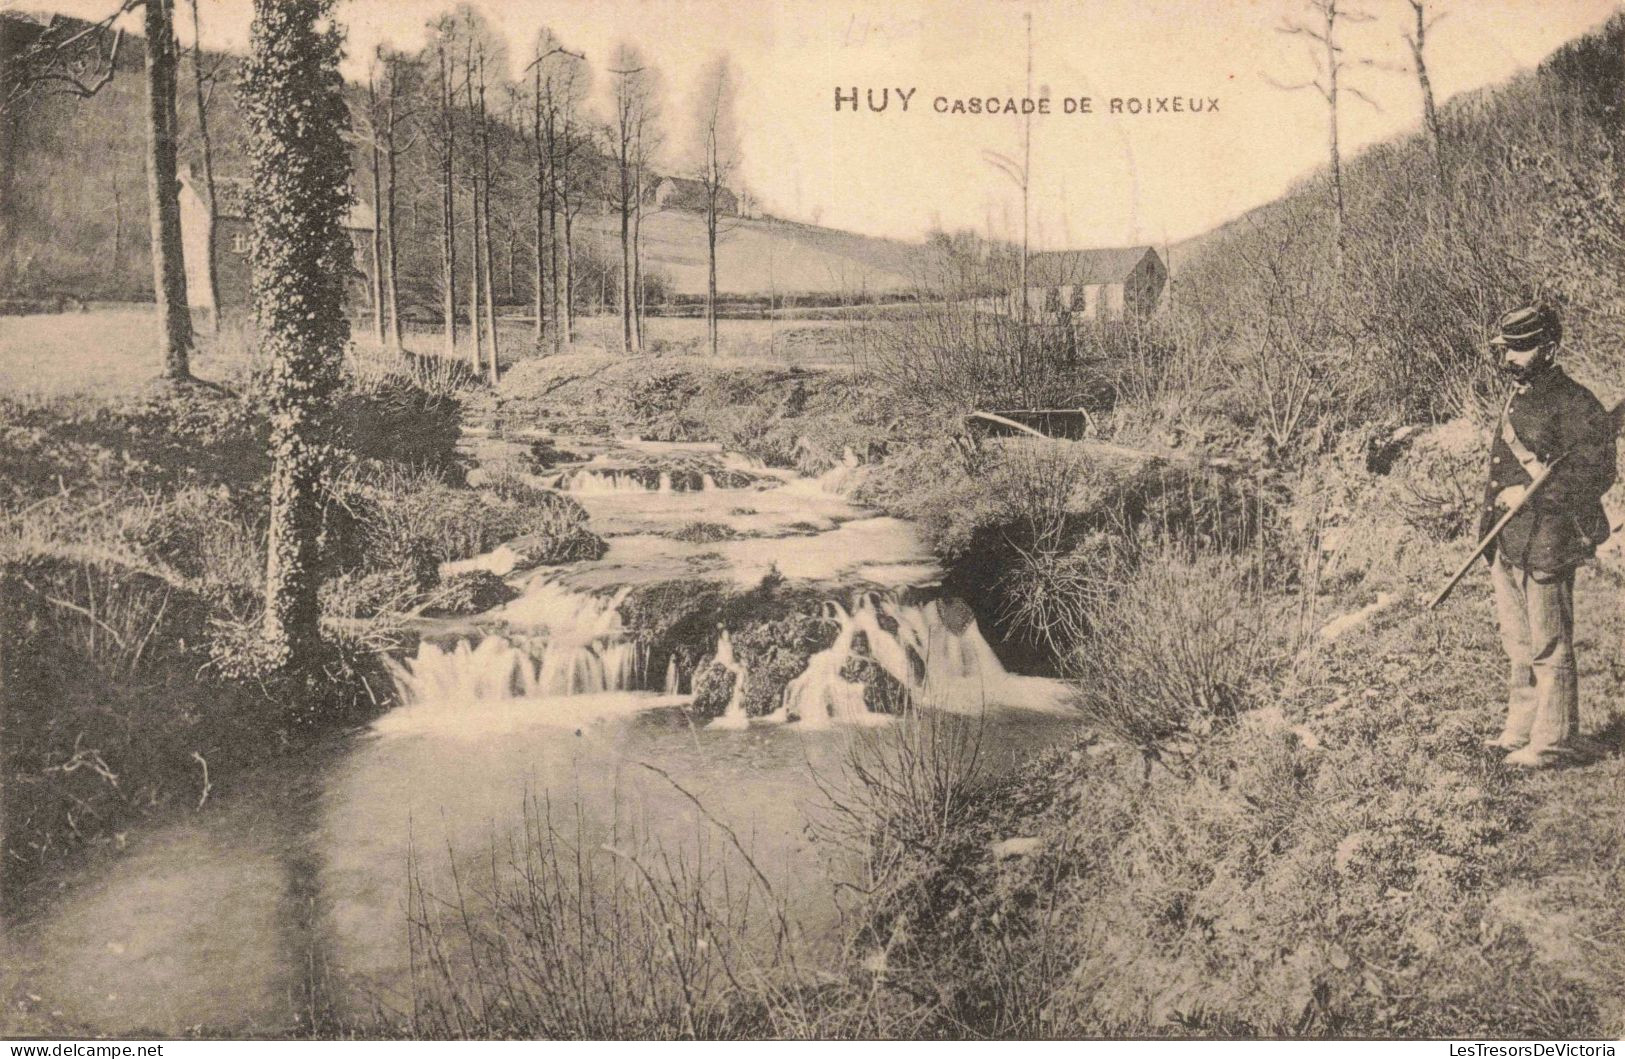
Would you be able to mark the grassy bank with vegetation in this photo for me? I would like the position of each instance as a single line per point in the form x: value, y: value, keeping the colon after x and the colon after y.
x: 132, y: 560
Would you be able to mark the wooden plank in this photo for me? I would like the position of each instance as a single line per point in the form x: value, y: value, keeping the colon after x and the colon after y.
x: 994, y: 417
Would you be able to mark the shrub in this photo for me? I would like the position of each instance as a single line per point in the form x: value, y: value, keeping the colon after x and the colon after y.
x: 702, y: 532
x: 393, y: 418
x: 1180, y: 652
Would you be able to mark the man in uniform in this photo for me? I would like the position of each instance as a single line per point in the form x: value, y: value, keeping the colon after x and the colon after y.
x: 1549, y: 421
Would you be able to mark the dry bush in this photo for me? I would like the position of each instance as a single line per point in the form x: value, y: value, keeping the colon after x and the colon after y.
x: 1181, y: 651
x: 1054, y: 576
x: 564, y: 935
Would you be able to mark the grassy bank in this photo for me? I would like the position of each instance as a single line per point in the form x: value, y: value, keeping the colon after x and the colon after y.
x: 132, y: 559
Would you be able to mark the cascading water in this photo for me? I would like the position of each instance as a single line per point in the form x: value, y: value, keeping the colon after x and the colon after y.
x: 733, y: 716
x: 611, y: 483
x: 940, y: 659
x: 566, y: 654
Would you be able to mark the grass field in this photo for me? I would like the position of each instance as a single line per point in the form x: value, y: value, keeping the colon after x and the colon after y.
x: 108, y: 352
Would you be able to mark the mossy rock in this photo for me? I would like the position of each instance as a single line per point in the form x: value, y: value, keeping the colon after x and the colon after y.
x: 471, y: 593
x: 702, y: 532
x: 882, y: 692
x: 713, y: 688
x: 552, y: 549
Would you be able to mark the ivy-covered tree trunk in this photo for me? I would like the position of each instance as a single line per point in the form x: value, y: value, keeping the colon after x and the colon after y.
x: 293, y: 101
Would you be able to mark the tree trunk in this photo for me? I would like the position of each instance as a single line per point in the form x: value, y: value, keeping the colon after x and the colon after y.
x: 637, y: 262
x: 163, y: 194
x: 475, y: 277
x: 626, y: 258
x: 1430, y: 111
x: 553, y: 230
x: 377, y: 221
x: 391, y: 261
x: 301, y: 172
x: 484, y: 188
x: 711, y: 270
x: 513, y: 265
x: 540, y: 330
x: 211, y: 261
x: 569, y: 277
x: 1332, y: 61
x: 477, y: 360
x: 448, y: 209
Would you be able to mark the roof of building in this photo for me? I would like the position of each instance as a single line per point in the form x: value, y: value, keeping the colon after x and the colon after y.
x: 231, y: 200
x: 1054, y: 268
x: 686, y: 185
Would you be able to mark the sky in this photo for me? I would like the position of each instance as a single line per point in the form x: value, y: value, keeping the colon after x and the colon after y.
x: 1096, y: 179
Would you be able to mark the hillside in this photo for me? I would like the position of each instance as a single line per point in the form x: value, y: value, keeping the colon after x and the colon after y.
x: 73, y: 206
x: 767, y: 256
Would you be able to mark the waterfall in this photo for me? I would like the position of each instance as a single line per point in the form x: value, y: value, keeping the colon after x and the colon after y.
x: 673, y: 678
x: 941, y: 661
x: 566, y: 658
x: 734, y: 715
x: 611, y: 483
x: 820, y: 695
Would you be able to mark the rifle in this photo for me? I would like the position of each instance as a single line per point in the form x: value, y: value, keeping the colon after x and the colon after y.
x: 1529, y: 493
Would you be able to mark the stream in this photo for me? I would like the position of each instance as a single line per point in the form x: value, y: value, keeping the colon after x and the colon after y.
x: 288, y: 892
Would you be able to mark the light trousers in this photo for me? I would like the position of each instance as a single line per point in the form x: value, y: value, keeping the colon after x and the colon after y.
x: 1536, y: 613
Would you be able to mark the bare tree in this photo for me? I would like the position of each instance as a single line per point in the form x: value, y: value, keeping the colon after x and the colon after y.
x: 446, y: 144
x: 1329, y: 60
x: 554, y: 99
x: 163, y: 191
x: 718, y: 152
x: 633, y: 136
x: 76, y: 59
x: 484, y: 191
x: 477, y: 263
x: 1417, y: 40
x: 375, y: 150
x: 399, y: 72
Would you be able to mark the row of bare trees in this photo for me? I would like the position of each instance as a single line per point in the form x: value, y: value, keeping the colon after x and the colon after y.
x: 474, y: 178
x: 1323, y: 24
x: 480, y: 139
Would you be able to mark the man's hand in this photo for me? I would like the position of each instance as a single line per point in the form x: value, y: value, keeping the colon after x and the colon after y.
x: 1510, y: 497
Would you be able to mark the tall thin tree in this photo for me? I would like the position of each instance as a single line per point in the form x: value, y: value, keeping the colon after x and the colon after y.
x: 717, y: 151
x: 206, y: 150
x: 376, y: 171
x: 1330, y: 59
x: 633, y: 100
x: 484, y: 190
x: 1416, y: 38
x: 80, y: 59
x: 163, y: 192
x: 446, y: 158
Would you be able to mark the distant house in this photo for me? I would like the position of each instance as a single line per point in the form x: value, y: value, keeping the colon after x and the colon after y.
x: 233, y: 270
x: 682, y: 193
x: 1081, y: 285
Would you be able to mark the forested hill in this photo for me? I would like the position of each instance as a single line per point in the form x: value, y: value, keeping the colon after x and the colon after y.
x: 1522, y: 198
x: 73, y: 207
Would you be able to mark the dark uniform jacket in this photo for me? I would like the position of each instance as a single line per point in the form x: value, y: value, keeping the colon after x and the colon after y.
x: 1564, y: 523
